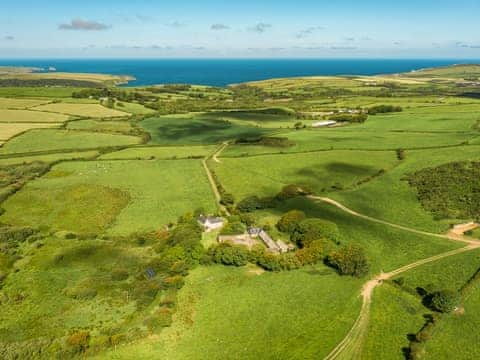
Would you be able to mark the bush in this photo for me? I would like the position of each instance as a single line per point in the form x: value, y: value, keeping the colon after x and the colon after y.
x: 16, y: 235
x: 314, y: 229
x: 382, y: 109
x: 119, y: 274
x: 349, y: 260
x: 79, y: 340
x: 353, y: 118
x: 449, y: 191
x: 227, y: 199
x: 445, y: 301
x: 290, y: 220
x: 248, y: 219
x: 292, y: 191
x: 227, y: 254
x: 252, y: 203
x: 313, y: 253
x: 279, y: 142
x: 233, y: 228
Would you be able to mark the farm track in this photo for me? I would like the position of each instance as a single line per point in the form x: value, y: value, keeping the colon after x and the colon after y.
x: 219, y: 152
x: 210, y: 177
x: 351, y: 345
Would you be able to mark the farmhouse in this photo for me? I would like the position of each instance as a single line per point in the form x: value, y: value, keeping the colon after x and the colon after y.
x: 211, y: 223
x: 324, y: 123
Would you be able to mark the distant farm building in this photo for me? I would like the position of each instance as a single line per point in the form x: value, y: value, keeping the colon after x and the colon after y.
x: 324, y: 123
x: 250, y: 238
x: 211, y: 223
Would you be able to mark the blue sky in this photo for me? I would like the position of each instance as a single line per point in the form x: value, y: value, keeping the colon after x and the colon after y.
x: 246, y: 28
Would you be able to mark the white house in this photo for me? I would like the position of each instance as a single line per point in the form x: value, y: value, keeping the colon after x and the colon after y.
x: 211, y: 223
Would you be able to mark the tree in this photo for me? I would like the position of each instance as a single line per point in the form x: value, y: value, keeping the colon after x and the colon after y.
x: 227, y: 254
x: 298, y: 125
x: 313, y: 253
x: 291, y: 191
x: 227, y: 199
x: 445, y: 301
x: 248, y: 219
x: 349, y: 260
x: 290, y: 220
x: 249, y: 204
x: 252, y: 203
x: 314, y: 229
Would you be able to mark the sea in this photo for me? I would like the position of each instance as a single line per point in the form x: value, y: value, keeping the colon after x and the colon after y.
x: 222, y: 72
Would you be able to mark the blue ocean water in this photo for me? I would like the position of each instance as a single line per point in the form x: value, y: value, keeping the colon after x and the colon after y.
x: 221, y: 72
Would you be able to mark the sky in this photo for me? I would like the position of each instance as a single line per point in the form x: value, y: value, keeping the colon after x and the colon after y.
x: 240, y: 29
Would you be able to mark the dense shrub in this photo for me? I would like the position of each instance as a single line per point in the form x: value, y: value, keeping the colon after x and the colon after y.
x: 227, y: 254
x: 312, y: 253
x: 247, y: 219
x: 292, y: 191
x: 227, y: 199
x: 79, y: 340
x: 349, y: 260
x: 119, y: 274
x: 233, y: 228
x: 81, y: 292
x: 314, y: 229
x: 382, y: 109
x: 187, y: 235
x: 266, y: 141
x: 290, y: 220
x: 252, y: 203
x: 16, y: 234
x: 445, y: 301
x: 449, y: 191
x: 353, y: 118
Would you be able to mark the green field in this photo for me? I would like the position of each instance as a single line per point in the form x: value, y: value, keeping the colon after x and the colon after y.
x: 101, y: 126
x: 83, y: 110
x: 49, y: 140
x: 49, y: 158
x: 16, y: 103
x: 156, y: 152
x: 378, y: 196
x: 195, y: 130
x: 224, y: 313
x: 267, y: 174
x: 120, y: 197
x: 70, y: 286
x: 27, y: 116
x: 395, y: 315
x: 10, y: 130
x: 353, y: 138
x: 387, y: 248
x: 133, y: 108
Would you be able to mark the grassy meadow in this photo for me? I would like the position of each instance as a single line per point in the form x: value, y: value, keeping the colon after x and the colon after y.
x: 54, y: 140
x: 320, y: 171
x: 161, y: 153
x: 82, y: 110
x: 196, y: 130
x: 28, y: 116
x: 119, y: 197
x: 226, y: 313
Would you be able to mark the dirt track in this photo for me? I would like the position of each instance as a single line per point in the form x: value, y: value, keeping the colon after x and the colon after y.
x: 351, y: 345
